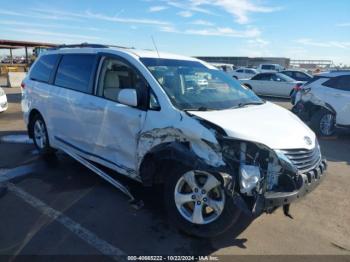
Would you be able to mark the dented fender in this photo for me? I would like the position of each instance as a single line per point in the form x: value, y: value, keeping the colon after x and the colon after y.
x: 172, y: 153
x: 202, y: 141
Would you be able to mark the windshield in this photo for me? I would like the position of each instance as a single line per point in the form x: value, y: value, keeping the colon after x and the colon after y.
x: 192, y: 86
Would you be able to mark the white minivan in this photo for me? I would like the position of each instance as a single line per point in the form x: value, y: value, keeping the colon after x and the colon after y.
x: 216, y: 147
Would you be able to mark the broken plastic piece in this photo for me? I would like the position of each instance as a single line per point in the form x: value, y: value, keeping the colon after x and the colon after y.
x: 286, y: 211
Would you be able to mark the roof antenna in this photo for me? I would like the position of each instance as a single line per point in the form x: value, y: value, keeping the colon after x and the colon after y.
x: 154, y: 43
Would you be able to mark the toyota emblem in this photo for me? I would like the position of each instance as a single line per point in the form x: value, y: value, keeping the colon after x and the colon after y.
x: 308, y: 140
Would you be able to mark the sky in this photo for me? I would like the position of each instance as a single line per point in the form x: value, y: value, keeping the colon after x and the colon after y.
x: 298, y: 29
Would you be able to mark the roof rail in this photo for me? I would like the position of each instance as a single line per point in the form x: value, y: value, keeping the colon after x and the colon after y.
x: 79, y: 46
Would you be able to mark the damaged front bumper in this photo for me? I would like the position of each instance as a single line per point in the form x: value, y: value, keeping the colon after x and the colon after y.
x: 305, y: 184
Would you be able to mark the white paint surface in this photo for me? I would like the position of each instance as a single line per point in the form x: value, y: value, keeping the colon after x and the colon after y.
x: 267, y: 124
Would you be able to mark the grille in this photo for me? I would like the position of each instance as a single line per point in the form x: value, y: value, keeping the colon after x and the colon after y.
x: 303, y: 159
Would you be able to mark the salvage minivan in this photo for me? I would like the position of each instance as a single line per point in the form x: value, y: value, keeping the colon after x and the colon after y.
x: 159, y: 118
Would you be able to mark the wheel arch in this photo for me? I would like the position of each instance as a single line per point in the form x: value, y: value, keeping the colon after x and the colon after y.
x: 163, y: 157
x: 313, y: 108
x: 34, y: 112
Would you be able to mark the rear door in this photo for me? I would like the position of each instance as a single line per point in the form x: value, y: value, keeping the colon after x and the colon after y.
x: 279, y: 86
x: 261, y: 83
x: 72, y: 89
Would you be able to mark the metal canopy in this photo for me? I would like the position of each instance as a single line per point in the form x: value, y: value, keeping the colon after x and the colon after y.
x: 14, y: 44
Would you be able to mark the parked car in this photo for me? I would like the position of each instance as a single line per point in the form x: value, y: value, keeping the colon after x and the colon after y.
x: 3, y: 100
x: 217, y: 149
x: 244, y: 73
x: 272, y: 84
x: 228, y: 68
x: 324, y: 102
x: 269, y: 68
x: 297, y: 75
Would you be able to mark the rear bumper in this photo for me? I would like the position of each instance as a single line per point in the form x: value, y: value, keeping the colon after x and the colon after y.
x: 305, y: 184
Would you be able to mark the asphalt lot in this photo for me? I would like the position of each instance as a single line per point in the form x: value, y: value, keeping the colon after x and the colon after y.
x: 61, y: 208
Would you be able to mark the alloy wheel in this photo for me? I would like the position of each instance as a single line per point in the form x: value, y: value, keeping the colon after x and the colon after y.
x: 40, y: 134
x: 199, y: 197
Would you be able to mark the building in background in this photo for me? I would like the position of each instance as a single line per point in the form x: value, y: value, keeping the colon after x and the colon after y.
x: 242, y: 61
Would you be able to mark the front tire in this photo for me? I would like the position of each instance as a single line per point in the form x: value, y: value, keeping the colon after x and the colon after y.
x: 197, y: 204
x: 40, y: 136
x: 323, y: 122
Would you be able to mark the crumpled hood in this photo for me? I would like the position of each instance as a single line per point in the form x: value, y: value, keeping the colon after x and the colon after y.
x: 268, y: 124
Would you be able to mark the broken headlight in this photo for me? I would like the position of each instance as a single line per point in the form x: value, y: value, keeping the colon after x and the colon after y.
x: 251, y: 161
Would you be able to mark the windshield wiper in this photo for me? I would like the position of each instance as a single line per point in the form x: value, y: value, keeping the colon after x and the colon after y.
x: 249, y: 103
x: 202, y: 108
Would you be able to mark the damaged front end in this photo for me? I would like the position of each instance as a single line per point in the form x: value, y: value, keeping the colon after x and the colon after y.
x: 267, y: 178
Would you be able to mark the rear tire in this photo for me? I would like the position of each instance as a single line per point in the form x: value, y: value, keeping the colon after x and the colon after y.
x: 40, y: 136
x: 184, y: 214
x: 323, y: 122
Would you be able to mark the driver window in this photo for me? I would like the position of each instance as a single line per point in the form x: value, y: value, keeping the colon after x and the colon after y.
x: 116, y: 75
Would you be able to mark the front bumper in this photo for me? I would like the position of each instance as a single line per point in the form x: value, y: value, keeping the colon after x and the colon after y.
x: 305, y: 184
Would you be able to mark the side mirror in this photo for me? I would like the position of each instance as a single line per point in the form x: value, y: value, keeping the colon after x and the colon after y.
x: 128, y: 97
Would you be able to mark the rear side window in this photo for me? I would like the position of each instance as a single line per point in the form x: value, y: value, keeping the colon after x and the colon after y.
x: 265, y: 77
x: 75, y: 72
x: 340, y: 82
x: 344, y: 83
x: 42, y: 69
x: 288, y: 73
x: 314, y: 79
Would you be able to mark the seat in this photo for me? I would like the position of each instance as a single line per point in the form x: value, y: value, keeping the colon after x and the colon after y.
x: 111, y: 85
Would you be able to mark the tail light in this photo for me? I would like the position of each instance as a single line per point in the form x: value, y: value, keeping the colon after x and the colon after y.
x: 298, y: 87
x: 23, y: 85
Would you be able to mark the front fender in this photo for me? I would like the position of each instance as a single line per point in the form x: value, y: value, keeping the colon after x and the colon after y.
x: 172, y: 153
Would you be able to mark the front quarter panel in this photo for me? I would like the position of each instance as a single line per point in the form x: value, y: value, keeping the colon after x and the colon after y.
x: 179, y: 127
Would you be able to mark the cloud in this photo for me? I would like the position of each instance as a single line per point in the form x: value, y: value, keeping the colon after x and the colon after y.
x: 44, y: 25
x: 185, y: 14
x: 157, y: 8
x: 188, y: 6
x: 326, y: 44
x: 36, y: 15
x: 98, y: 16
x: 240, y: 9
x: 214, y: 31
x: 34, y: 32
x: 202, y: 22
x: 258, y: 42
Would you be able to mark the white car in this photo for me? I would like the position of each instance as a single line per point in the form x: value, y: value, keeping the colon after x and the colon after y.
x: 269, y: 68
x: 271, y: 84
x: 324, y: 102
x: 141, y: 114
x: 244, y: 73
x: 3, y: 100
